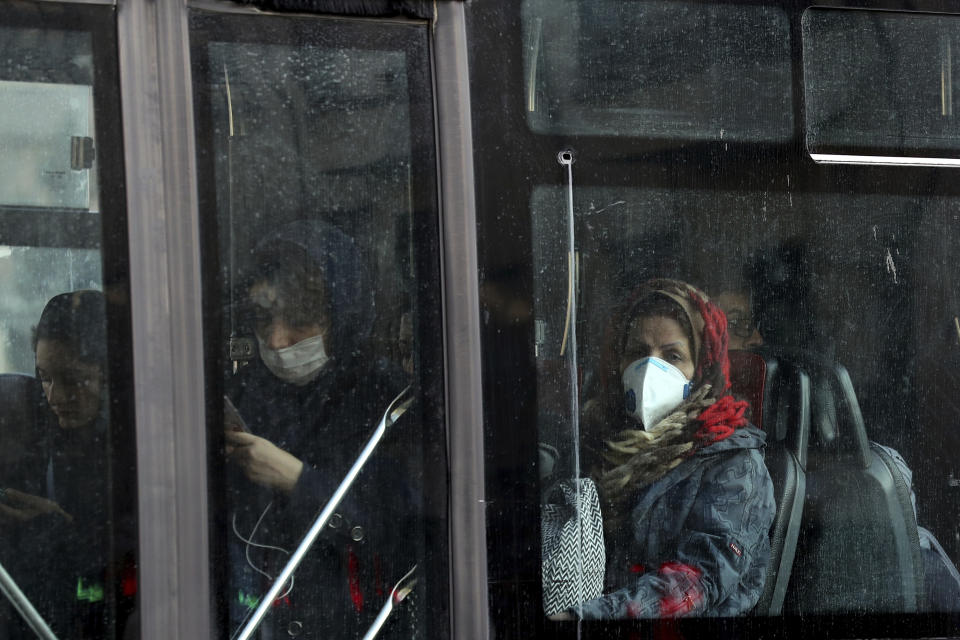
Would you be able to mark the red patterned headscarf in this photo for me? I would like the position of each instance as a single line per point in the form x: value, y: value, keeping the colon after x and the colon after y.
x: 634, y: 458
x: 709, y: 330
x: 709, y: 340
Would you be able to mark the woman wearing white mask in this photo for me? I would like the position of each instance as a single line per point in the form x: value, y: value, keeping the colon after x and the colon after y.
x: 687, y: 500
x: 302, y: 413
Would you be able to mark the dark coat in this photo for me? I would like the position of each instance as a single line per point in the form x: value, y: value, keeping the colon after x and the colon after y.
x: 68, y: 569
x: 369, y: 544
x: 698, y: 541
x: 345, y: 579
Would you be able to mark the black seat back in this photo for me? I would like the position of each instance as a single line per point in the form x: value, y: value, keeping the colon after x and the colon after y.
x: 21, y: 433
x: 19, y: 394
x: 22, y: 467
x: 780, y: 399
x: 858, y: 548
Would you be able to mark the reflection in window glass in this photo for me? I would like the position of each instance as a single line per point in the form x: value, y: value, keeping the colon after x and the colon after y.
x: 911, y: 111
x: 657, y: 69
x: 46, y: 130
x: 29, y: 276
x: 838, y: 283
x: 809, y: 288
x: 321, y: 154
x: 67, y: 477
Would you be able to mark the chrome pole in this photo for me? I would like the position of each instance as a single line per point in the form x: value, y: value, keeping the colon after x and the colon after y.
x: 23, y: 606
x: 390, y: 416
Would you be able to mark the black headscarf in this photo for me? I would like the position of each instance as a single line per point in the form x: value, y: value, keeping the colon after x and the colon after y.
x: 338, y: 259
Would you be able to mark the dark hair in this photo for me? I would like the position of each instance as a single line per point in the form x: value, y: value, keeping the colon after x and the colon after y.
x: 320, y: 275
x: 299, y: 281
x: 77, y: 320
x: 655, y: 305
x: 603, y: 411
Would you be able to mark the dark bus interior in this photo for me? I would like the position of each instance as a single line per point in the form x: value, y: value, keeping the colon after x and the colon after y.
x: 802, y: 156
x: 691, y: 127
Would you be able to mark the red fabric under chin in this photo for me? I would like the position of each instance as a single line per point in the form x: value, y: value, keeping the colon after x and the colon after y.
x: 720, y: 419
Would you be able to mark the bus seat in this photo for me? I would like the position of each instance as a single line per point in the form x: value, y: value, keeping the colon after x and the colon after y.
x: 20, y: 397
x: 779, y: 398
x: 748, y: 378
x: 858, y: 549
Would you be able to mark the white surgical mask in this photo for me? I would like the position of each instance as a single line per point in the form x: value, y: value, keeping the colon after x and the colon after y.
x: 653, y: 388
x: 297, y: 364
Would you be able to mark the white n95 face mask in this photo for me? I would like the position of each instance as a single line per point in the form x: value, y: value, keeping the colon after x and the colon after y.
x: 297, y: 364
x: 653, y: 388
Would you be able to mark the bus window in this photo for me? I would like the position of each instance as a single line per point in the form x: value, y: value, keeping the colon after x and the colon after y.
x: 33, y: 275
x: 316, y: 152
x: 47, y: 102
x: 909, y: 115
x: 595, y: 70
x: 837, y: 282
x: 67, y: 476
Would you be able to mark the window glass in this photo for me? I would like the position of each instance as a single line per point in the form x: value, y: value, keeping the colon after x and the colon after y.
x: 67, y: 465
x: 772, y: 239
x: 782, y: 469
x: 911, y: 111
x: 30, y: 277
x: 657, y: 69
x: 46, y: 132
x: 315, y: 137
x: 853, y: 289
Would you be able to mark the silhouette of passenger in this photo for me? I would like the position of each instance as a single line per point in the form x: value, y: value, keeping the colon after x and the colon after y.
x: 304, y: 410
x: 687, y: 501
x: 941, y: 578
x: 69, y: 566
x: 743, y: 329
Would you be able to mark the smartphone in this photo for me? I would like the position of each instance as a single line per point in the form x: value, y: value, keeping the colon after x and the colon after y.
x: 232, y: 420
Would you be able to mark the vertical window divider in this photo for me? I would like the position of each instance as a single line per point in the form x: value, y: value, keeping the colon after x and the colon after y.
x: 166, y: 310
x: 461, y: 303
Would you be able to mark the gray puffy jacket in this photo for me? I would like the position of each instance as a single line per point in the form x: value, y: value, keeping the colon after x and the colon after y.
x: 698, y: 541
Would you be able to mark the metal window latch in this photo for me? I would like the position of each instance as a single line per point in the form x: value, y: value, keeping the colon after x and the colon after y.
x: 241, y: 349
x: 82, y: 153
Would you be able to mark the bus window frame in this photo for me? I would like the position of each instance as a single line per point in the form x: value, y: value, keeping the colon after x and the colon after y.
x: 105, y: 230
x: 65, y: 227
x: 165, y: 246
x: 506, y: 249
x: 469, y: 610
x: 410, y: 37
x: 174, y: 587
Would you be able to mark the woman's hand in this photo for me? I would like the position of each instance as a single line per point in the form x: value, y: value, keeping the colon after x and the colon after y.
x: 262, y: 461
x: 18, y: 506
x: 562, y: 616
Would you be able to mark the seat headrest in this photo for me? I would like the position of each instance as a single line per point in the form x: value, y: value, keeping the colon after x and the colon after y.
x: 19, y: 395
x: 748, y: 376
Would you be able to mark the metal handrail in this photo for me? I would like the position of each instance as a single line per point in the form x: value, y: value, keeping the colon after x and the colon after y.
x: 23, y: 606
x: 396, y: 408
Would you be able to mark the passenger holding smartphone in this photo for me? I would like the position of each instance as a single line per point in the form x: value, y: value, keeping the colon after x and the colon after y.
x: 295, y: 421
x: 77, y: 538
